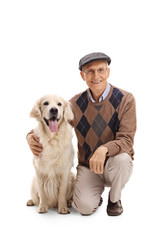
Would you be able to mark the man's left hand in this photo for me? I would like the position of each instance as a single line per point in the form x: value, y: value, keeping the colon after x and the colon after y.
x: 97, y: 160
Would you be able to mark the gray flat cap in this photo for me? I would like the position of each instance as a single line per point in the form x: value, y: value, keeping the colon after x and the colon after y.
x: 93, y: 57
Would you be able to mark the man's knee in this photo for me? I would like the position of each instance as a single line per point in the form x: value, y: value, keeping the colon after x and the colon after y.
x: 85, y: 205
x: 123, y: 161
x: 122, y: 167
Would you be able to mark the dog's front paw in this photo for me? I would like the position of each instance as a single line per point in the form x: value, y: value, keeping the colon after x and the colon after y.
x: 63, y: 210
x: 42, y: 209
x: 30, y: 203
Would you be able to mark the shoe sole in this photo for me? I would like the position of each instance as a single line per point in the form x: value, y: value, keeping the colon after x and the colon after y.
x: 114, y: 214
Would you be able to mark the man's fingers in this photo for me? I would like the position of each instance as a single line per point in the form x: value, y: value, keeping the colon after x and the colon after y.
x: 96, y: 166
x: 101, y: 168
x: 35, y: 143
x: 37, y: 149
x: 36, y: 153
x: 93, y: 165
x: 90, y: 164
x: 36, y: 138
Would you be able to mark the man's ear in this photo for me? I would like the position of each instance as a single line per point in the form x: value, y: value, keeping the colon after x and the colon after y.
x: 68, y: 114
x: 108, y: 72
x: 36, y: 111
x: 82, y: 75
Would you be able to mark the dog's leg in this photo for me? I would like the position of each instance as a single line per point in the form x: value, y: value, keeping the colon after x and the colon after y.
x: 30, y: 203
x: 70, y: 190
x: 34, y: 194
x: 62, y: 201
x: 43, y: 207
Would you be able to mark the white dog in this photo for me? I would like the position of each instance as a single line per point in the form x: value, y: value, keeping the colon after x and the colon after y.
x: 53, y: 184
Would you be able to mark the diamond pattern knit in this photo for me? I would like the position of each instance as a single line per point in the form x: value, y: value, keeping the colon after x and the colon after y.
x: 111, y: 123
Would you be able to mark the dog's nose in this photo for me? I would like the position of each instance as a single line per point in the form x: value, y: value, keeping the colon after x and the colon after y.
x: 53, y: 110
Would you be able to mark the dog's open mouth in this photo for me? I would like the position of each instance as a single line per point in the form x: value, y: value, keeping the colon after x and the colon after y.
x: 52, y: 123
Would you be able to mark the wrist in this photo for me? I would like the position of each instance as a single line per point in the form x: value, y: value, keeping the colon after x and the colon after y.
x: 104, y: 150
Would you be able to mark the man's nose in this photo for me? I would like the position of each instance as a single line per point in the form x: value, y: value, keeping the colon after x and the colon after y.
x: 53, y: 111
x: 96, y: 74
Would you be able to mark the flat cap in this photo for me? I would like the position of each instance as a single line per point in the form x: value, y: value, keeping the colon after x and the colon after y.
x: 93, y: 57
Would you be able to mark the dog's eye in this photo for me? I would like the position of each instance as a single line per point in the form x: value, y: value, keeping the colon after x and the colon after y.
x: 45, y: 103
x: 59, y: 104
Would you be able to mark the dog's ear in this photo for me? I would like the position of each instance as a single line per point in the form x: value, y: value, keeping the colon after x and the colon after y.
x: 68, y: 114
x: 36, y: 111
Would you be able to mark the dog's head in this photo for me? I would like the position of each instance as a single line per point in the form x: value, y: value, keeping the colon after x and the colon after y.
x: 52, y: 110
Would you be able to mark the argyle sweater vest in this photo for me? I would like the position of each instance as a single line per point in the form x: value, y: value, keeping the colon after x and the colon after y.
x: 110, y: 123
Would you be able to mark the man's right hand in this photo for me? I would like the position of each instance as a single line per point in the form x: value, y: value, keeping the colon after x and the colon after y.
x: 34, y: 144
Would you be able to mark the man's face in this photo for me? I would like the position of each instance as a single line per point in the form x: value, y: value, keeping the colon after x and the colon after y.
x: 95, y: 75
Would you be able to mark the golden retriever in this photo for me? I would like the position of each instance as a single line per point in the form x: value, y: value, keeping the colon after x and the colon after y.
x: 53, y: 184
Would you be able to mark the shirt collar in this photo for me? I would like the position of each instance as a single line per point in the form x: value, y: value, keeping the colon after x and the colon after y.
x: 104, y: 95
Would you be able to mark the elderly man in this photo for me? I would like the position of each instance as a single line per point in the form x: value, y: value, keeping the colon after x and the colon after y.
x: 105, y: 125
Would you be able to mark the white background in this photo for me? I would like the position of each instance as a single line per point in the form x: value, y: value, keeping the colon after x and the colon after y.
x: 41, y: 43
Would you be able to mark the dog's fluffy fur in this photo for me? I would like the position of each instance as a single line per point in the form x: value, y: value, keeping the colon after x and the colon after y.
x: 53, y: 184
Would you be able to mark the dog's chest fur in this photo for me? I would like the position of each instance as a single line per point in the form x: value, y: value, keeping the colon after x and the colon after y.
x: 53, y: 160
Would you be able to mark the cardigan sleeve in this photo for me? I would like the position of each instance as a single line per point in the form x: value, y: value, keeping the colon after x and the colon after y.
x: 124, y: 138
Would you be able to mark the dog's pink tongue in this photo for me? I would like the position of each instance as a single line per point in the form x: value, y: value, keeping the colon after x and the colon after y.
x: 53, y: 126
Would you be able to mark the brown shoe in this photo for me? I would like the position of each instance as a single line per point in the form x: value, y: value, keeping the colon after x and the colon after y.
x: 114, y: 209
